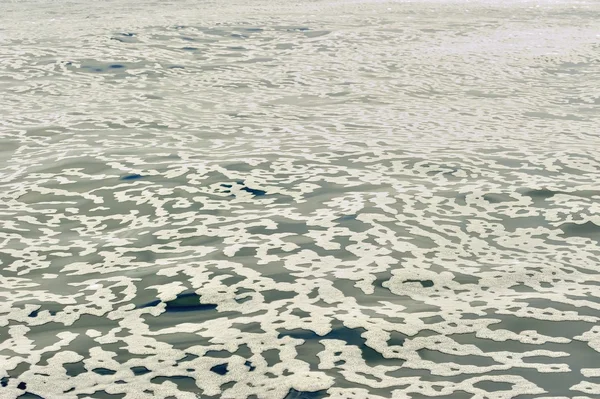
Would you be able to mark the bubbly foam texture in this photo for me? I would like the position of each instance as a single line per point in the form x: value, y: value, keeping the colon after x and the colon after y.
x: 343, y: 200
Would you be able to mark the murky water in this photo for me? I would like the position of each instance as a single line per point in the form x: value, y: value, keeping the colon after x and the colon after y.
x: 353, y: 199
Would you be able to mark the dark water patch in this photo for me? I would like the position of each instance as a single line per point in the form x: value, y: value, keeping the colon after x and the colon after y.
x: 29, y: 395
x: 220, y: 369
x: 370, y: 377
x: 139, y: 370
x: 380, y: 279
x: 444, y: 170
x: 271, y: 356
x: 540, y: 194
x: 244, y: 351
x: 248, y: 364
x: 424, y: 283
x: 566, y: 328
x: 511, y: 224
x: 353, y: 224
x: 493, y: 386
x: 22, y: 385
x: 470, y: 316
x: 566, y: 170
x: 183, y: 383
x: 200, y: 240
x: 312, y: 34
x: 243, y: 299
x: 255, y: 192
x: 103, y: 371
x: 143, y: 256
x: 495, y: 198
x: 343, y: 333
x: 542, y: 304
x: 150, y: 304
x: 218, y: 354
x: 188, y: 302
x: 187, y: 358
x: 116, y: 66
x: 75, y: 369
x: 276, y: 295
x: 102, y: 395
x: 18, y: 371
x: 240, y: 167
x: 584, y: 193
x: 246, y: 252
x: 176, y: 67
x: 556, y: 383
x: 36, y: 312
x: 461, y: 199
x: 522, y: 288
x: 586, y: 230
x: 466, y: 279
x: 227, y: 385
x: 541, y: 359
x: 242, y: 290
x: 434, y: 319
x: 293, y: 394
x: 396, y: 338
x: 253, y: 327
x: 345, y: 218
x: 490, y: 346
x: 134, y: 176
x: 233, y: 280
x: 188, y: 48
x: 283, y: 226
x: 300, y: 313
x: 383, y: 293
x: 588, y: 297
x: 465, y: 360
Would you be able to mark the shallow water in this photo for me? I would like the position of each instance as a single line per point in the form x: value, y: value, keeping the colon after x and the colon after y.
x: 352, y: 199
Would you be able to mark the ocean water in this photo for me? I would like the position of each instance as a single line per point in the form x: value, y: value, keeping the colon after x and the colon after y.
x: 305, y: 199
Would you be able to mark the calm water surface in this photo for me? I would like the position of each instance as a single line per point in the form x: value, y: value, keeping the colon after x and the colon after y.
x: 268, y: 199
